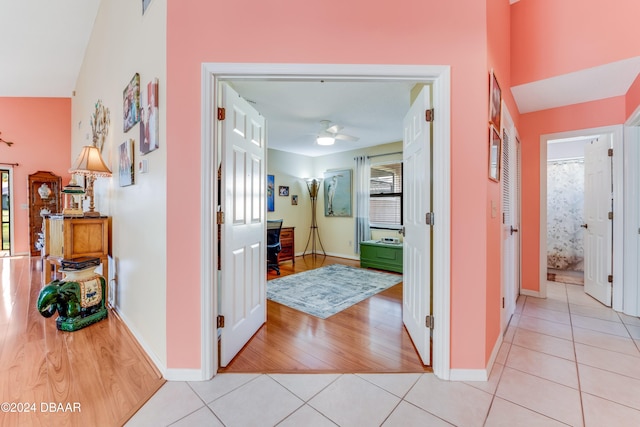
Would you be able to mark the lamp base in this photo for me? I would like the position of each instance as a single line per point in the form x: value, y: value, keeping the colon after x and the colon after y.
x: 92, y: 214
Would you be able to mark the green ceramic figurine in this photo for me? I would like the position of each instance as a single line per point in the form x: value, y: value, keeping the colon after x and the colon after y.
x: 79, y: 299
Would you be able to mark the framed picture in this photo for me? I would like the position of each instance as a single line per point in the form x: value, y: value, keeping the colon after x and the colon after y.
x: 270, y: 193
x: 125, y: 168
x: 495, y: 101
x: 149, y: 126
x: 131, y: 103
x: 145, y: 5
x: 294, y: 199
x: 337, y: 193
x: 494, y: 154
x: 283, y: 191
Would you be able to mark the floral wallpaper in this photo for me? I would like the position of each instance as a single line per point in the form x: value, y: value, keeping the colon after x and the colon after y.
x: 565, y: 206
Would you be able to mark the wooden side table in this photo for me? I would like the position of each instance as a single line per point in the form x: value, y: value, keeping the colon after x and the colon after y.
x: 75, y: 237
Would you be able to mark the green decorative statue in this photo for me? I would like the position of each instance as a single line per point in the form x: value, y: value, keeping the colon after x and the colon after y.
x: 79, y: 299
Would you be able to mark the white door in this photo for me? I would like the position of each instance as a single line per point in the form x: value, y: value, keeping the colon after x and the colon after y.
x: 510, y: 228
x: 243, y: 257
x: 416, y: 278
x: 598, y: 236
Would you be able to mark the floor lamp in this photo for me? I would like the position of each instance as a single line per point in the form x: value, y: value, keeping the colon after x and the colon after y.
x: 313, y: 185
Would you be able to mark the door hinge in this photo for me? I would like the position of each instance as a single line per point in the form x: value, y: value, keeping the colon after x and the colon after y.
x: 221, y: 113
x: 429, y: 115
x: 610, y: 215
x: 220, y: 322
x: 610, y: 278
x: 610, y: 152
x: 429, y: 322
x: 429, y: 218
x: 220, y: 217
x: 502, y: 302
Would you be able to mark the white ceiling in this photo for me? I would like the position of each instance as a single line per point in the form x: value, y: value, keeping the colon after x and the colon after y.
x: 42, y: 44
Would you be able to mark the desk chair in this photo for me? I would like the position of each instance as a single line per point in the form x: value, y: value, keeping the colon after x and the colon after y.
x: 273, y: 244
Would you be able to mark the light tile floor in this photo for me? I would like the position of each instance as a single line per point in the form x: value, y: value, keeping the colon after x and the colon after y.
x: 565, y: 360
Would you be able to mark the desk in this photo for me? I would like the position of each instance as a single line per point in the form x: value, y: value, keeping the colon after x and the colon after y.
x: 74, y: 237
x: 383, y: 256
x: 287, y: 244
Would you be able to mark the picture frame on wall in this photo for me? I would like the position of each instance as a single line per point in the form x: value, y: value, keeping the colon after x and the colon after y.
x: 149, y: 118
x: 131, y: 103
x: 270, y: 193
x: 283, y: 191
x: 494, y: 154
x: 495, y: 101
x: 337, y: 193
x: 125, y: 165
x: 294, y: 199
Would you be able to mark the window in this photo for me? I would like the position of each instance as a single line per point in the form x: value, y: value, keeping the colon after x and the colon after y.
x: 385, y: 196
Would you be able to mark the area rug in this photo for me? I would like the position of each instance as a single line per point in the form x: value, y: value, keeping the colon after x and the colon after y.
x: 328, y: 290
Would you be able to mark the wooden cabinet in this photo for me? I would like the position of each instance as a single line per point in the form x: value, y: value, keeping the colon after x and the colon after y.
x: 75, y: 237
x: 383, y: 256
x: 288, y: 244
x: 44, y: 198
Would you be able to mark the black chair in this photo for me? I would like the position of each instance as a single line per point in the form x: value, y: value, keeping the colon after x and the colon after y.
x: 273, y: 244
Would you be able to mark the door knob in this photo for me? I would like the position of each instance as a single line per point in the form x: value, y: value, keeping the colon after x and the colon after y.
x: 584, y: 225
x: 401, y: 231
x: 513, y: 230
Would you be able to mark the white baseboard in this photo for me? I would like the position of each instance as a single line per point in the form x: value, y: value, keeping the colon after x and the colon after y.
x: 352, y: 257
x: 478, y: 374
x: 530, y: 293
x: 184, y: 375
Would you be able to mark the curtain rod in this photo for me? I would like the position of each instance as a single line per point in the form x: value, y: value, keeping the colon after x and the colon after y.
x: 386, y: 154
x: 10, y: 164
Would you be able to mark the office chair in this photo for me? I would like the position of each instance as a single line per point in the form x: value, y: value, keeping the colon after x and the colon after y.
x: 273, y: 244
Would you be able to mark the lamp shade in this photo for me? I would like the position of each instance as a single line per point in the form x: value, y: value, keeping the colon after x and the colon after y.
x: 90, y: 162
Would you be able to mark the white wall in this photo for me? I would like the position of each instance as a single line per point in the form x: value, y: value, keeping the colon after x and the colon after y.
x: 123, y: 43
x: 290, y: 170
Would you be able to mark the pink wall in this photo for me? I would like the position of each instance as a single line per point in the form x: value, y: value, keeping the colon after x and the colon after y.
x: 41, y: 131
x: 409, y: 32
x: 633, y: 97
x: 551, y: 37
x: 594, y: 114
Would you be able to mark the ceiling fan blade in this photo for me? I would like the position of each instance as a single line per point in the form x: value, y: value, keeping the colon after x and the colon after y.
x: 333, y: 129
x: 344, y: 137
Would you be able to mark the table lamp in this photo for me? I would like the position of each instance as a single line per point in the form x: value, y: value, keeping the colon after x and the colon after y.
x: 90, y: 164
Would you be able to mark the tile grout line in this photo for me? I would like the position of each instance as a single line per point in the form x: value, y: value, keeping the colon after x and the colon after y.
x: 575, y: 355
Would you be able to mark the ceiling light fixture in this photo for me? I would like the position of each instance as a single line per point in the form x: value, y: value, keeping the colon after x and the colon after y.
x: 325, y: 140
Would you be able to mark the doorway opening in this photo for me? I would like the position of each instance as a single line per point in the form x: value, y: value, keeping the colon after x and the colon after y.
x: 438, y: 76
x: 6, y: 212
x: 564, y: 158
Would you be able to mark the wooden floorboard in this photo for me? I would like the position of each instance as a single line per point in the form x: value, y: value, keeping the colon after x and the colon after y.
x: 101, y: 367
x: 366, y: 337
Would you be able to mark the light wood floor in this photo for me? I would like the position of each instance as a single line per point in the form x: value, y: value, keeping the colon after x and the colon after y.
x: 101, y: 367
x: 367, y: 337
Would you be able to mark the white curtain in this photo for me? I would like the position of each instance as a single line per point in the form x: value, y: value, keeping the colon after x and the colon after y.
x: 362, y: 176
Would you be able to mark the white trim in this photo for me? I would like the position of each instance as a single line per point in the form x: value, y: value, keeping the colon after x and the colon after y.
x: 530, y: 293
x: 631, y: 302
x: 479, y: 374
x: 439, y: 76
x: 616, y: 132
x: 183, y: 375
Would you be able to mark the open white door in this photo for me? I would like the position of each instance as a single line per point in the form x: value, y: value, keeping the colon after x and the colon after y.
x: 510, y: 228
x: 416, y: 157
x: 598, y: 236
x: 243, y: 258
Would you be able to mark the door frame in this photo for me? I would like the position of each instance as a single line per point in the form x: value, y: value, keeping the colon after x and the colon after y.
x: 437, y: 75
x: 631, y: 302
x: 9, y: 168
x: 616, y: 133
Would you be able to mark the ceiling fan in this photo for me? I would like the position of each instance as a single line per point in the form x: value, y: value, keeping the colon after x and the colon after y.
x: 330, y: 132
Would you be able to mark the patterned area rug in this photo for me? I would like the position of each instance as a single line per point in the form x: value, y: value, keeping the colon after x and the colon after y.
x: 328, y: 290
